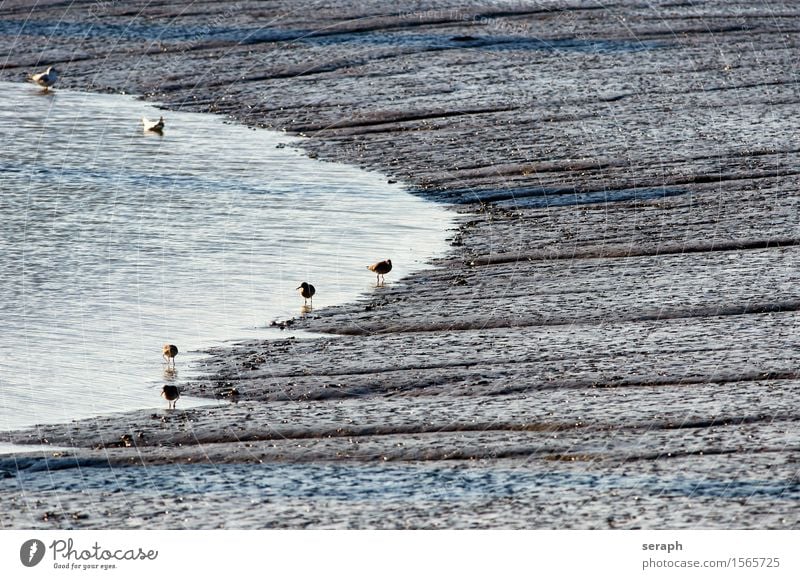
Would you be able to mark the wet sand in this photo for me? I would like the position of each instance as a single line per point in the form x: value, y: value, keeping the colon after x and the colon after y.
x: 610, y: 342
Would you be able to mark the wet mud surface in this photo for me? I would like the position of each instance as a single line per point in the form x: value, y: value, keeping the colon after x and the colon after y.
x: 610, y: 343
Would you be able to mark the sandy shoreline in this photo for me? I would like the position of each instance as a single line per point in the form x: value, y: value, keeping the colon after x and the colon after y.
x: 618, y: 308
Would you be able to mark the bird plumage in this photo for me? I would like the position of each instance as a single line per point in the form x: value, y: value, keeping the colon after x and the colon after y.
x: 170, y: 394
x: 45, y: 79
x: 155, y: 126
x: 381, y: 268
x: 169, y: 351
x: 307, y: 291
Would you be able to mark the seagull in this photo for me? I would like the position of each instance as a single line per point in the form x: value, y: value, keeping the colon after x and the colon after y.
x: 171, y: 395
x: 155, y: 126
x: 381, y: 268
x: 170, y: 351
x: 45, y: 79
x: 307, y: 291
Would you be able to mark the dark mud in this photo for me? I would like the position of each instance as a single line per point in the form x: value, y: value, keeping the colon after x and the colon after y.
x: 611, y: 341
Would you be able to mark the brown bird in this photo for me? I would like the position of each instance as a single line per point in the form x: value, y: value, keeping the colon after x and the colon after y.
x: 307, y: 291
x: 381, y: 268
x: 169, y: 352
x: 170, y: 394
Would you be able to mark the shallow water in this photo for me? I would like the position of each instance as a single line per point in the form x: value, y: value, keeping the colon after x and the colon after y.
x: 115, y: 241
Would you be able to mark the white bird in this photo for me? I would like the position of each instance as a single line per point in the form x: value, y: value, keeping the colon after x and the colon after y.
x: 45, y: 79
x: 155, y: 126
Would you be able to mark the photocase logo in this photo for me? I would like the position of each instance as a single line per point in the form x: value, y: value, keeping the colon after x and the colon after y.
x: 67, y: 555
x: 31, y: 553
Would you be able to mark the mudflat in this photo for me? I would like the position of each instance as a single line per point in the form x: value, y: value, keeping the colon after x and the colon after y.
x: 610, y: 342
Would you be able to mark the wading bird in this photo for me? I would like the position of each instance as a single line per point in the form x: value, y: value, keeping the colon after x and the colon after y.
x: 170, y: 394
x: 45, y: 79
x: 381, y: 268
x: 169, y: 351
x: 307, y: 291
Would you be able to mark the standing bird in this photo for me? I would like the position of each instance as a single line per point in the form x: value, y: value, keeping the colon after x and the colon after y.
x: 155, y: 126
x: 171, y: 395
x: 45, y: 79
x: 307, y: 291
x: 169, y: 352
x: 381, y: 268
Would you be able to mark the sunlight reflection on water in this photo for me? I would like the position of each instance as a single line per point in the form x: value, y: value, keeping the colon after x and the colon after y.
x: 116, y: 241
